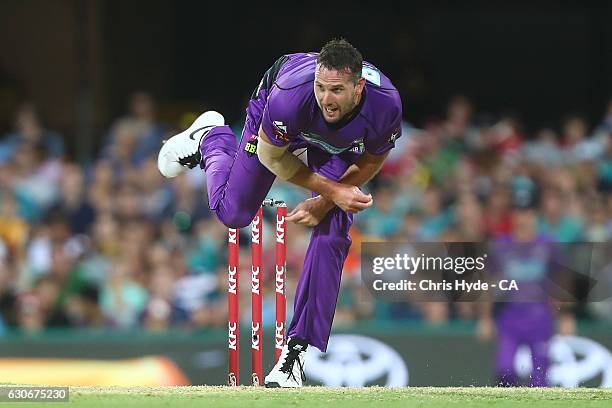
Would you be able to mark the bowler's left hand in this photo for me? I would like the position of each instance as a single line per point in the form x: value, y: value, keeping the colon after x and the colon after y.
x: 310, y: 212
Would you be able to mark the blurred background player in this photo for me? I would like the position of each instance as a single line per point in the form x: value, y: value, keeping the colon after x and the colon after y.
x: 344, y: 116
x: 525, y: 317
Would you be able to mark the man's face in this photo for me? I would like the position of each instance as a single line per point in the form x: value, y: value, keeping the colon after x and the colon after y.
x: 336, y: 92
x: 524, y: 224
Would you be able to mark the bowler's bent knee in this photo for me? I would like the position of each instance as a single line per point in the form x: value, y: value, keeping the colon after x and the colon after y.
x: 234, y: 219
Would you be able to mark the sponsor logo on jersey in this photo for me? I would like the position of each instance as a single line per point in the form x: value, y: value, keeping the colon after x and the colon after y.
x: 251, y: 146
x: 394, y: 136
x: 358, y: 146
x: 280, y: 131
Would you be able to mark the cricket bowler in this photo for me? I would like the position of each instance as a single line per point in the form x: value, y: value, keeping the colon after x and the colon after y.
x: 344, y: 115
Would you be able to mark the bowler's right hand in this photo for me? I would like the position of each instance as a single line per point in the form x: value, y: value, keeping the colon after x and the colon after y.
x: 350, y: 198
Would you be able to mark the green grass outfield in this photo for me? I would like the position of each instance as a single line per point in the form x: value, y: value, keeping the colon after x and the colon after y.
x: 206, y: 396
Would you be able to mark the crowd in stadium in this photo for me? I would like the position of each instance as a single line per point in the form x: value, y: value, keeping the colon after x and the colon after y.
x: 114, y: 244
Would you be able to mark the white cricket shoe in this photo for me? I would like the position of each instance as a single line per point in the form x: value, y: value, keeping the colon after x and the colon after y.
x: 182, y: 151
x: 289, y: 370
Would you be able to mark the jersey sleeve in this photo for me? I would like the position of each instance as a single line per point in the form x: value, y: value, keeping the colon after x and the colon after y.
x: 390, y: 127
x: 280, y: 117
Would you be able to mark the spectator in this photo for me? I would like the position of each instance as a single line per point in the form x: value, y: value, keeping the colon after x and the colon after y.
x: 544, y: 151
x: 385, y: 218
x: 122, y: 299
x: 578, y: 146
x: 555, y: 221
x: 30, y: 131
x: 436, y: 218
x: 138, y: 135
x: 72, y: 203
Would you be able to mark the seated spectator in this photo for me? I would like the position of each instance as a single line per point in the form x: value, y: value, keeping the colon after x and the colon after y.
x: 147, y: 135
x: 122, y: 298
x: 30, y: 131
x: 556, y: 221
x: 73, y: 203
x: 384, y: 219
x: 498, y: 216
x: 436, y: 218
x: 578, y: 146
x: 544, y: 151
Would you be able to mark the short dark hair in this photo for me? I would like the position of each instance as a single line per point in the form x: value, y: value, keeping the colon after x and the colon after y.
x: 338, y: 54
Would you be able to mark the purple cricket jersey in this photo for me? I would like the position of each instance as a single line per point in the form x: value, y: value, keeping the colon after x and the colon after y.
x: 284, y: 106
x: 531, y: 265
x: 291, y: 112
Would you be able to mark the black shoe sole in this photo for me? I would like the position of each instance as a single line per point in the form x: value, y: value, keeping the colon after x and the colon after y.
x: 272, y: 385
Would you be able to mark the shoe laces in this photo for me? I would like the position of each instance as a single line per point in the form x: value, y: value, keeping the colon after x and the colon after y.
x: 289, y: 362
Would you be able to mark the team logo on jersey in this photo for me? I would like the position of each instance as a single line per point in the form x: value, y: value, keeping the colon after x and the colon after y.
x: 358, y: 146
x: 280, y: 131
x: 251, y: 146
x: 394, y: 136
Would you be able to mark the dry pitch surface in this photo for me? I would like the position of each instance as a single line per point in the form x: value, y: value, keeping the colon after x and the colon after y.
x: 206, y: 396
